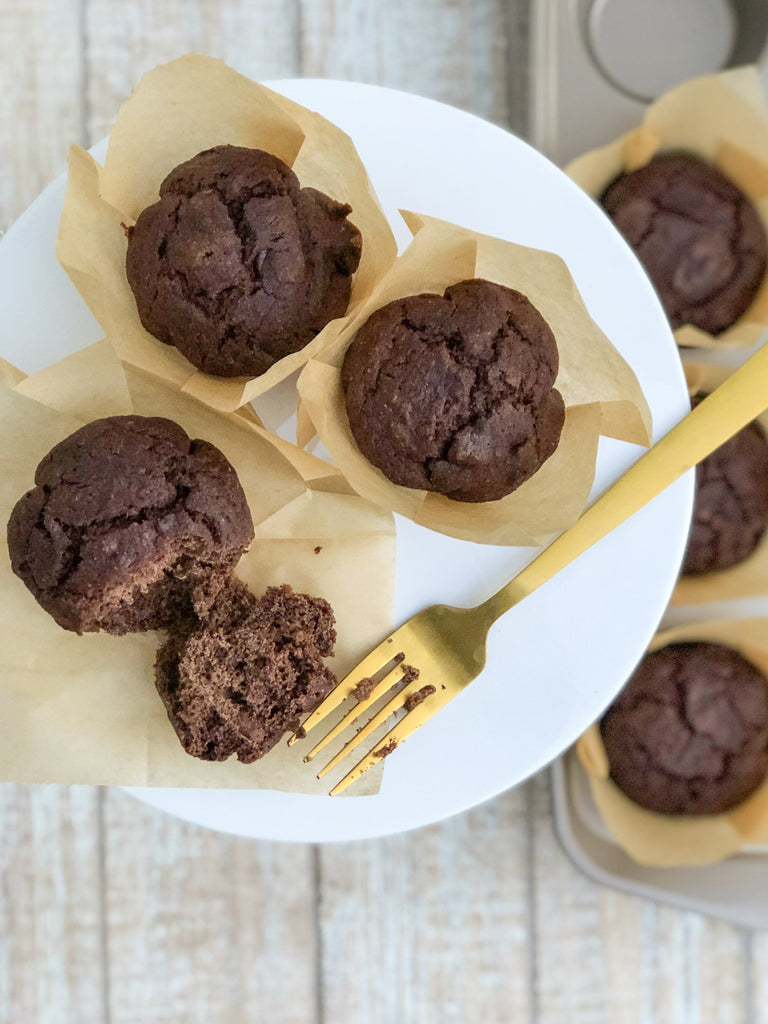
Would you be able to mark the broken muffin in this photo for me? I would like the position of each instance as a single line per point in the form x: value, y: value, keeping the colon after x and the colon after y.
x: 246, y: 672
x: 131, y: 526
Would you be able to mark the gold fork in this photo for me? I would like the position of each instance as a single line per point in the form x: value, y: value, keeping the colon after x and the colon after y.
x: 447, y: 644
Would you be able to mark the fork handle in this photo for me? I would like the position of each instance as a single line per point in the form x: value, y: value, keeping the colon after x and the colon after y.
x: 731, y: 406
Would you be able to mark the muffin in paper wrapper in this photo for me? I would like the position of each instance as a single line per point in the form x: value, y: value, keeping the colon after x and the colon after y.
x: 84, y: 709
x: 176, y: 111
x: 750, y: 577
x: 601, y: 393
x: 663, y: 840
x: 722, y: 119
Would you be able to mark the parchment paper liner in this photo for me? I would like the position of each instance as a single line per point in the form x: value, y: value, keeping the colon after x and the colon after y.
x: 601, y: 392
x: 175, y: 111
x: 660, y: 840
x: 84, y: 709
x: 723, y: 119
x: 750, y: 577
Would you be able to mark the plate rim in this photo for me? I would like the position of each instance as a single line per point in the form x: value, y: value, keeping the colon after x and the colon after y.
x: 165, y: 798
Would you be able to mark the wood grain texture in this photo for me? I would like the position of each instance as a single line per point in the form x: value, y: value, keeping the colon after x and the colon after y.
x: 757, y: 988
x: 449, y: 50
x: 52, y: 968
x: 40, y: 77
x: 110, y: 912
x: 205, y: 928
x: 604, y: 957
x: 431, y: 926
x: 123, y: 40
x: 518, y: 68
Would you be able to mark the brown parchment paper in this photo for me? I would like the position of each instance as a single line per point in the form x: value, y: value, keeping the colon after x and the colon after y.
x: 723, y: 119
x: 84, y: 709
x: 750, y: 577
x: 601, y: 393
x: 660, y: 840
x: 175, y: 111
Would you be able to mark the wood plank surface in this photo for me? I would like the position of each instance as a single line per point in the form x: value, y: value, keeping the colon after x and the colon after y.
x: 52, y: 966
x: 52, y: 960
x: 123, y: 40
x: 41, y: 71
x: 111, y: 912
x: 757, y: 980
x: 202, y: 927
x: 430, y: 926
x: 450, y: 50
x: 603, y: 957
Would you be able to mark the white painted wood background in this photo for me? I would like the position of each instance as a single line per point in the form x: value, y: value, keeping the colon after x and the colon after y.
x: 112, y: 913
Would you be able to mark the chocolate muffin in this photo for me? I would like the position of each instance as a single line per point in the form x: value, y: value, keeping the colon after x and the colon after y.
x: 247, y: 672
x: 454, y: 393
x: 236, y: 265
x: 689, y: 733
x: 699, y: 238
x: 130, y: 526
x: 730, y: 511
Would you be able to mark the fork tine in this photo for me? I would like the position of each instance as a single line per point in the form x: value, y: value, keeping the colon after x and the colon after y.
x: 399, y: 732
x: 378, y: 719
x: 384, y: 684
x: 369, y: 666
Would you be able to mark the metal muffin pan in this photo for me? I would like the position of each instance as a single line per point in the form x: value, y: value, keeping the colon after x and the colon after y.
x: 733, y: 890
x: 595, y: 66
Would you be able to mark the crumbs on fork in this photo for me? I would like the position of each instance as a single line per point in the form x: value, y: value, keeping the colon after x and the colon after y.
x: 416, y: 698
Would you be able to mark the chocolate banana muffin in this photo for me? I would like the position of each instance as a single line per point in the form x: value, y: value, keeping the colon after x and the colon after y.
x: 454, y: 393
x: 689, y: 732
x: 130, y: 526
x: 699, y: 238
x: 236, y: 265
x: 730, y: 511
x: 247, y: 672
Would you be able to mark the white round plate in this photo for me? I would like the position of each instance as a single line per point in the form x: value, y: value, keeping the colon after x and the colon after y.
x: 558, y: 659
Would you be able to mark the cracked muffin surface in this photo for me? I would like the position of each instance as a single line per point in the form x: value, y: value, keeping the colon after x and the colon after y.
x: 730, y: 510
x: 454, y: 393
x: 130, y: 526
x: 236, y: 265
x: 246, y: 672
x: 699, y: 238
x: 689, y: 732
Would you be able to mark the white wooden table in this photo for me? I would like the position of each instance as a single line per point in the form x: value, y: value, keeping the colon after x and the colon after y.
x: 111, y: 912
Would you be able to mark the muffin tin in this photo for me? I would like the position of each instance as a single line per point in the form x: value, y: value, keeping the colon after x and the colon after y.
x: 595, y: 64
x: 592, y: 81
x: 733, y: 890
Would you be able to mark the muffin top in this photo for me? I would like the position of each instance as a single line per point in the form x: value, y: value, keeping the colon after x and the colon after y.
x: 246, y: 672
x: 130, y: 523
x: 454, y: 393
x: 730, y: 511
x: 689, y: 732
x: 699, y: 238
x: 236, y: 265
